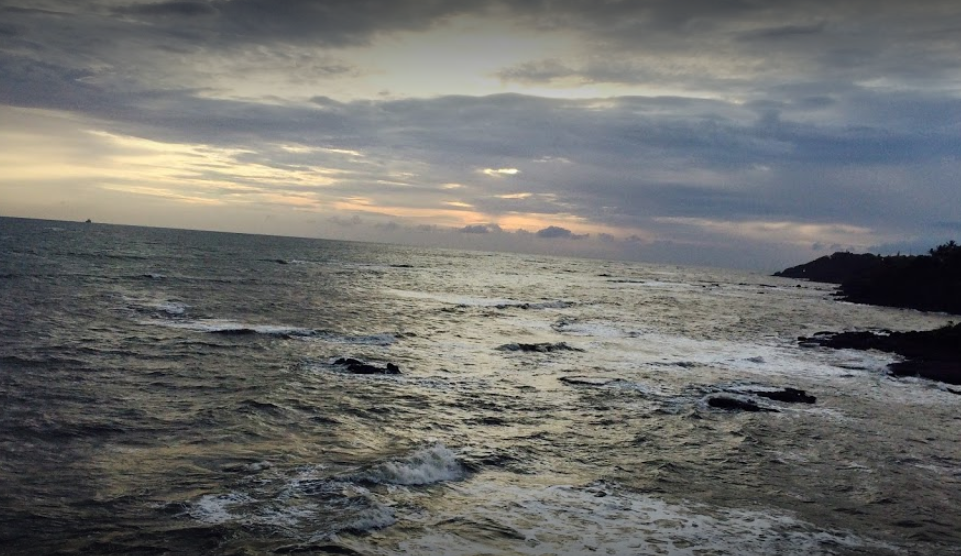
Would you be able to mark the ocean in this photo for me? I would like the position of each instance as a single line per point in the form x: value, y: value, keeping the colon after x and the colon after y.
x: 178, y: 392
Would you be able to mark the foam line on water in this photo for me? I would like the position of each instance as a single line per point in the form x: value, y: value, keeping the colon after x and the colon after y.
x: 604, y: 519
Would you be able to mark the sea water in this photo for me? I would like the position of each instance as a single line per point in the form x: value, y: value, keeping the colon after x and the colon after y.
x: 166, y: 391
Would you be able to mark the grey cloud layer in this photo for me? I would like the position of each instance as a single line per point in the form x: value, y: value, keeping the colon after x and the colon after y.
x: 748, y: 49
x: 827, y: 111
x: 326, y: 22
x: 748, y: 46
x: 636, y: 159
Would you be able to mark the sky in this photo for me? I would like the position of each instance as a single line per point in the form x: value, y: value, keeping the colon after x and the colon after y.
x: 745, y: 134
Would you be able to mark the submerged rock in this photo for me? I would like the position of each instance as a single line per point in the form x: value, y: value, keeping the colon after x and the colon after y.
x: 323, y: 548
x: 929, y: 354
x: 556, y: 304
x: 787, y: 394
x: 235, y: 332
x: 729, y: 402
x: 587, y: 380
x: 362, y: 368
x: 946, y: 372
x: 538, y: 347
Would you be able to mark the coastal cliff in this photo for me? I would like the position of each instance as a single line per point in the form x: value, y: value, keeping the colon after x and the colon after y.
x: 923, y: 282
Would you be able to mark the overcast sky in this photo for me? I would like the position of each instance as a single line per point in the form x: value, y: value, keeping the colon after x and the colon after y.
x: 750, y: 134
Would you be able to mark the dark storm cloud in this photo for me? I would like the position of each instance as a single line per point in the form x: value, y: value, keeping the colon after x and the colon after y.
x: 784, y: 32
x: 11, y: 30
x: 15, y: 9
x: 181, y: 8
x: 748, y: 46
x: 327, y: 22
x: 638, y: 157
x: 559, y: 232
x: 814, y: 111
x: 480, y: 229
x: 744, y: 47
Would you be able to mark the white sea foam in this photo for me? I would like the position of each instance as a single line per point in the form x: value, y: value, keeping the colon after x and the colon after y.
x: 750, y: 388
x: 474, y: 301
x: 648, y: 284
x: 604, y: 519
x: 380, y: 339
x: 319, y: 505
x: 430, y: 465
x: 174, y: 309
x: 317, y: 509
x: 217, y: 509
x: 756, y: 358
x: 227, y: 326
x: 450, y: 298
x: 551, y: 304
x: 151, y: 305
x: 374, y: 518
x: 594, y: 329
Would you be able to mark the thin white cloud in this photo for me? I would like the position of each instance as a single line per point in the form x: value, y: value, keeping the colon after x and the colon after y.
x: 499, y: 172
x: 763, y: 124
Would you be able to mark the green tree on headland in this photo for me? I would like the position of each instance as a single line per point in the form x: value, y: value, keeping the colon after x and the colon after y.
x: 923, y: 282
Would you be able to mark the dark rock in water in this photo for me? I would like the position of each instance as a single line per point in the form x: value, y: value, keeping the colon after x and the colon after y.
x: 587, y: 380
x: 946, y: 372
x: 493, y: 420
x: 726, y: 402
x: 536, y: 305
x: 930, y: 354
x: 363, y: 368
x: 237, y: 332
x: 787, y: 394
x: 315, y: 549
x: 280, y: 261
x: 538, y: 347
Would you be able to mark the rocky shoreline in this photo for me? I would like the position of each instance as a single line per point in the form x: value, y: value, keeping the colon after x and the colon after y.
x: 922, y: 282
x: 929, y: 354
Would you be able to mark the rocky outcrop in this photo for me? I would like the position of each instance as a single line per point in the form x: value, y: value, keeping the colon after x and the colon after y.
x: 786, y: 394
x: 733, y: 402
x: 362, y: 368
x: 538, y: 347
x: 588, y: 381
x: 929, y: 354
x: 241, y: 331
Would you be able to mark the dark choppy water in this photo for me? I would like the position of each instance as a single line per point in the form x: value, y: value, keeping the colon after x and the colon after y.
x: 167, y: 391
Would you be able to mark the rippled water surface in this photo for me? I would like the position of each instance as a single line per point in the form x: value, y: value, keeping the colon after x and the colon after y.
x: 168, y: 391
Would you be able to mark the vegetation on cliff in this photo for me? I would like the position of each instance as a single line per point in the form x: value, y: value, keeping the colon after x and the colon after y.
x: 923, y: 282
